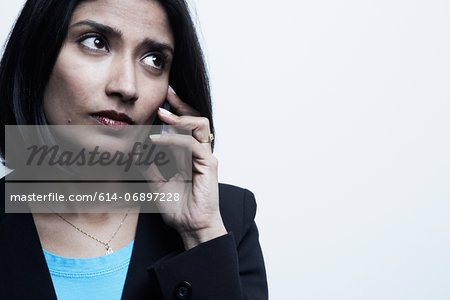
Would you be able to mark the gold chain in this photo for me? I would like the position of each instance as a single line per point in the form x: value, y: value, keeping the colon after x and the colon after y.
x: 107, y: 244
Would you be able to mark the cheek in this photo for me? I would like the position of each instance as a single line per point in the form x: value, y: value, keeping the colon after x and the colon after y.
x: 66, y: 94
x: 151, y: 98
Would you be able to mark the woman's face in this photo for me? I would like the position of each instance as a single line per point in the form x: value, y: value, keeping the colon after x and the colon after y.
x: 113, y: 68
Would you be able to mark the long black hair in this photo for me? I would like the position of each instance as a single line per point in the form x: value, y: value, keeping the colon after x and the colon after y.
x: 36, y: 40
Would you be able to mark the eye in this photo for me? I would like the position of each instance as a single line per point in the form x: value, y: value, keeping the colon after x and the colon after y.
x: 94, y: 43
x: 154, y: 60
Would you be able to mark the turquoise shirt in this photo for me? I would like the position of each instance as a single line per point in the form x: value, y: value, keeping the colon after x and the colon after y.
x: 94, y: 278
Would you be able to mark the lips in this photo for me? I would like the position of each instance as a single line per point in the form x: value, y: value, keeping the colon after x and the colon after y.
x: 112, y: 118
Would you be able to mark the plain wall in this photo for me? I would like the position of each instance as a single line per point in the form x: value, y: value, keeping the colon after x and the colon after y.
x: 336, y: 115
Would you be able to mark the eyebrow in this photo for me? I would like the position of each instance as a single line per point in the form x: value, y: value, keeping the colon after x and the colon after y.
x: 114, y: 32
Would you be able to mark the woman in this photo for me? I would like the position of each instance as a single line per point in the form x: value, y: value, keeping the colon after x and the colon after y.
x: 110, y: 62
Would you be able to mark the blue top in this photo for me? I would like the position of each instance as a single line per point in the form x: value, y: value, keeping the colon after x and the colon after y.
x: 101, y: 277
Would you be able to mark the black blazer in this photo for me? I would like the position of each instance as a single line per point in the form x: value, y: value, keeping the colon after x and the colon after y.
x: 229, y: 267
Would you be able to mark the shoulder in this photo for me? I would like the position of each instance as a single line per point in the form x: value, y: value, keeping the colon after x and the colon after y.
x: 238, y: 209
x: 234, y: 199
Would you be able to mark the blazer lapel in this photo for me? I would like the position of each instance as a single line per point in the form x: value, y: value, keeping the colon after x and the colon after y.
x: 24, y: 269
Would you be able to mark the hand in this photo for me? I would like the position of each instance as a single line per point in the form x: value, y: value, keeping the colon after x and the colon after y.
x: 197, y: 217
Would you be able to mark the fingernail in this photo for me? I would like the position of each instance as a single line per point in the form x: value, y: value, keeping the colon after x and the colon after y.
x: 165, y: 112
x: 171, y: 90
x: 154, y: 136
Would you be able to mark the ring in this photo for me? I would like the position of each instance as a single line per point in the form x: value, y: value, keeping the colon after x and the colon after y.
x: 210, y: 140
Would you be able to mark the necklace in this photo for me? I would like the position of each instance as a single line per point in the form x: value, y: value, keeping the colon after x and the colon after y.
x: 107, y: 244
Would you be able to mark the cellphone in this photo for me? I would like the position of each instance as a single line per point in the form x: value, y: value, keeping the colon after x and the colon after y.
x: 165, y: 127
x: 161, y: 127
x: 169, y: 170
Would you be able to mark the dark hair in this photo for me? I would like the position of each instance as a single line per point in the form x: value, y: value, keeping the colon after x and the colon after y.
x: 36, y: 40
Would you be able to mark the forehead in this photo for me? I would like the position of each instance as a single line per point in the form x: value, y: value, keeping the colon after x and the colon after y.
x: 135, y: 19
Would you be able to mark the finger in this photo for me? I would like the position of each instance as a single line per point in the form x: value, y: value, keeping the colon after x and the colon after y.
x: 198, y: 125
x: 178, y: 106
x: 185, y: 141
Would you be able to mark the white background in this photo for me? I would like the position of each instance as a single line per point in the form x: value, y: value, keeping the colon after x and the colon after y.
x: 336, y: 115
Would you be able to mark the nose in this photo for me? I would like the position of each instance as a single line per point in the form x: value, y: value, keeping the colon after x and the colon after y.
x: 122, y: 81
